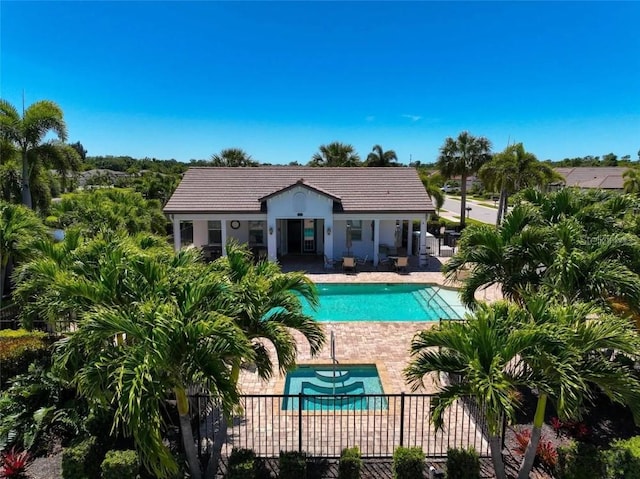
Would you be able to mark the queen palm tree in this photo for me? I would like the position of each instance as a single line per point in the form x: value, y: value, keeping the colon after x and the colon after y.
x: 27, y: 133
x: 632, y: 181
x: 335, y: 154
x: 379, y: 157
x: 463, y: 156
x: 267, y: 305
x: 18, y: 227
x: 512, y: 170
x: 233, y: 157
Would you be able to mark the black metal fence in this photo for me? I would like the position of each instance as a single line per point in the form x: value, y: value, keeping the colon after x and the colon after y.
x: 326, y: 424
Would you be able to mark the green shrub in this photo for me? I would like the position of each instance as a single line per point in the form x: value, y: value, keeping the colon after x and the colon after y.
x: 82, y: 461
x: 408, y: 462
x: 350, y: 463
x: 120, y: 465
x: 623, y: 459
x: 463, y: 464
x: 18, y: 349
x: 579, y: 460
x: 293, y: 465
x: 242, y: 464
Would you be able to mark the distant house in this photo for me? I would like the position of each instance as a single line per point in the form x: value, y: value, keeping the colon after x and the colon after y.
x: 300, y: 210
x: 604, y: 177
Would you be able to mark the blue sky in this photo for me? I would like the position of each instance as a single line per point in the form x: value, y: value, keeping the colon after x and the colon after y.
x: 185, y: 80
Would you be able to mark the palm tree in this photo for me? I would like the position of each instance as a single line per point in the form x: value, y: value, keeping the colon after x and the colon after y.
x: 379, y: 157
x: 148, y: 321
x: 485, y: 353
x: 28, y: 131
x: 508, y: 256
x: 569, y: 245
x: 632, y: 181
x: 561, y: 350
x: 18, y: 227
x: 432, y: 184
x: 580, y: 365
x: 512, y: 170
x: 335, y: 154
x: 463, y: 156
x: 142, y: 355
x: 266, y: 305
x: 233, y: 157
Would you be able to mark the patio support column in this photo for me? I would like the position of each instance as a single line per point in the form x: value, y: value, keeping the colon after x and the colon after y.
x: 177, y: 240
x: 328, y: 238
x: 223, y: 236
x: 410, y: 238
x: 272, y: 238
x: 376, y: 242
x: 423, y: 242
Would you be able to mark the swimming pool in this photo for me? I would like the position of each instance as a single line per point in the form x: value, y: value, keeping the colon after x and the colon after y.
x: 385, y: 302
x: 345, y: 387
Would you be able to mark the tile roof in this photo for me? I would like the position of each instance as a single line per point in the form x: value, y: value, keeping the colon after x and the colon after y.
x: 219, y: 190
x: 606, y: 177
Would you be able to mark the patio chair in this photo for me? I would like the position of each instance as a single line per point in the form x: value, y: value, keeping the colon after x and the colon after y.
x: 402, y: 263
x: 362, y: 261
x: 349, y: 264
x: 328, y: 262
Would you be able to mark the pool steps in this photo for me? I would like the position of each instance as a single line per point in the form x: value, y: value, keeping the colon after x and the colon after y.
x: 428, y: 299
x: 327, y: 375
x: 312, y: 388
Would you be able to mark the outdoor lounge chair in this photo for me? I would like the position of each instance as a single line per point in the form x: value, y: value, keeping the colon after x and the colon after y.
x: 362, y: 261
x: 402, y: 262
x: 349, y: 264
x: 328, y: 262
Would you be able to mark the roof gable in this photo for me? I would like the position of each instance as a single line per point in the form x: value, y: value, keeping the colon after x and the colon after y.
x: 301, y: 182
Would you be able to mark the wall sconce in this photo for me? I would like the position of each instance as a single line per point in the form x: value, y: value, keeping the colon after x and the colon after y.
x: 270, y: 230
x: 328, y: 230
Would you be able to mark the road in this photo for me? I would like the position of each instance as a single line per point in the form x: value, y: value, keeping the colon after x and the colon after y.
x: 478, y: 212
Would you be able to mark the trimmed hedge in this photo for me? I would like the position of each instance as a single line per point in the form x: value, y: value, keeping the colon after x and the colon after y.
x: 463, y: 464
x: 579, y: 460
x: 350, y: 463
x: 293, y: 465
x: 623, y: 459
x: 242, y: 464
x: 82, y: 461
x: 18, y: 349
x: 120, y: 465
x: 408, y: 463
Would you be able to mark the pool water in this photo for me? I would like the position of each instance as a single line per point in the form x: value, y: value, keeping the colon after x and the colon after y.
x: 327, y: 388
x: 384, y: 302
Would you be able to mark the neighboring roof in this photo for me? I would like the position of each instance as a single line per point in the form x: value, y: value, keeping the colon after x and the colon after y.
x: 605, y: 177
x: 360, y: 189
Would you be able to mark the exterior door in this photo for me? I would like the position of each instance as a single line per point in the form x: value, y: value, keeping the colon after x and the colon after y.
x: 309, y: 238
x: 294, y: 236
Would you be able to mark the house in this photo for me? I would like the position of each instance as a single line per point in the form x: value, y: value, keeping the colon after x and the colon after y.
x: 300, y: 210
x: 586, y: 177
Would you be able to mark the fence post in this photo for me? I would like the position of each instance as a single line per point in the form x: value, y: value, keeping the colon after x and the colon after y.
x: 299, y: 422
x: 402, y: 419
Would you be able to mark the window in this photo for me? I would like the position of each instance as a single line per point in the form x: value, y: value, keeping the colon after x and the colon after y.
x: 356, y: 229
x: 215, y: 232
x: 256, y: 232
x: 186, y: 232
